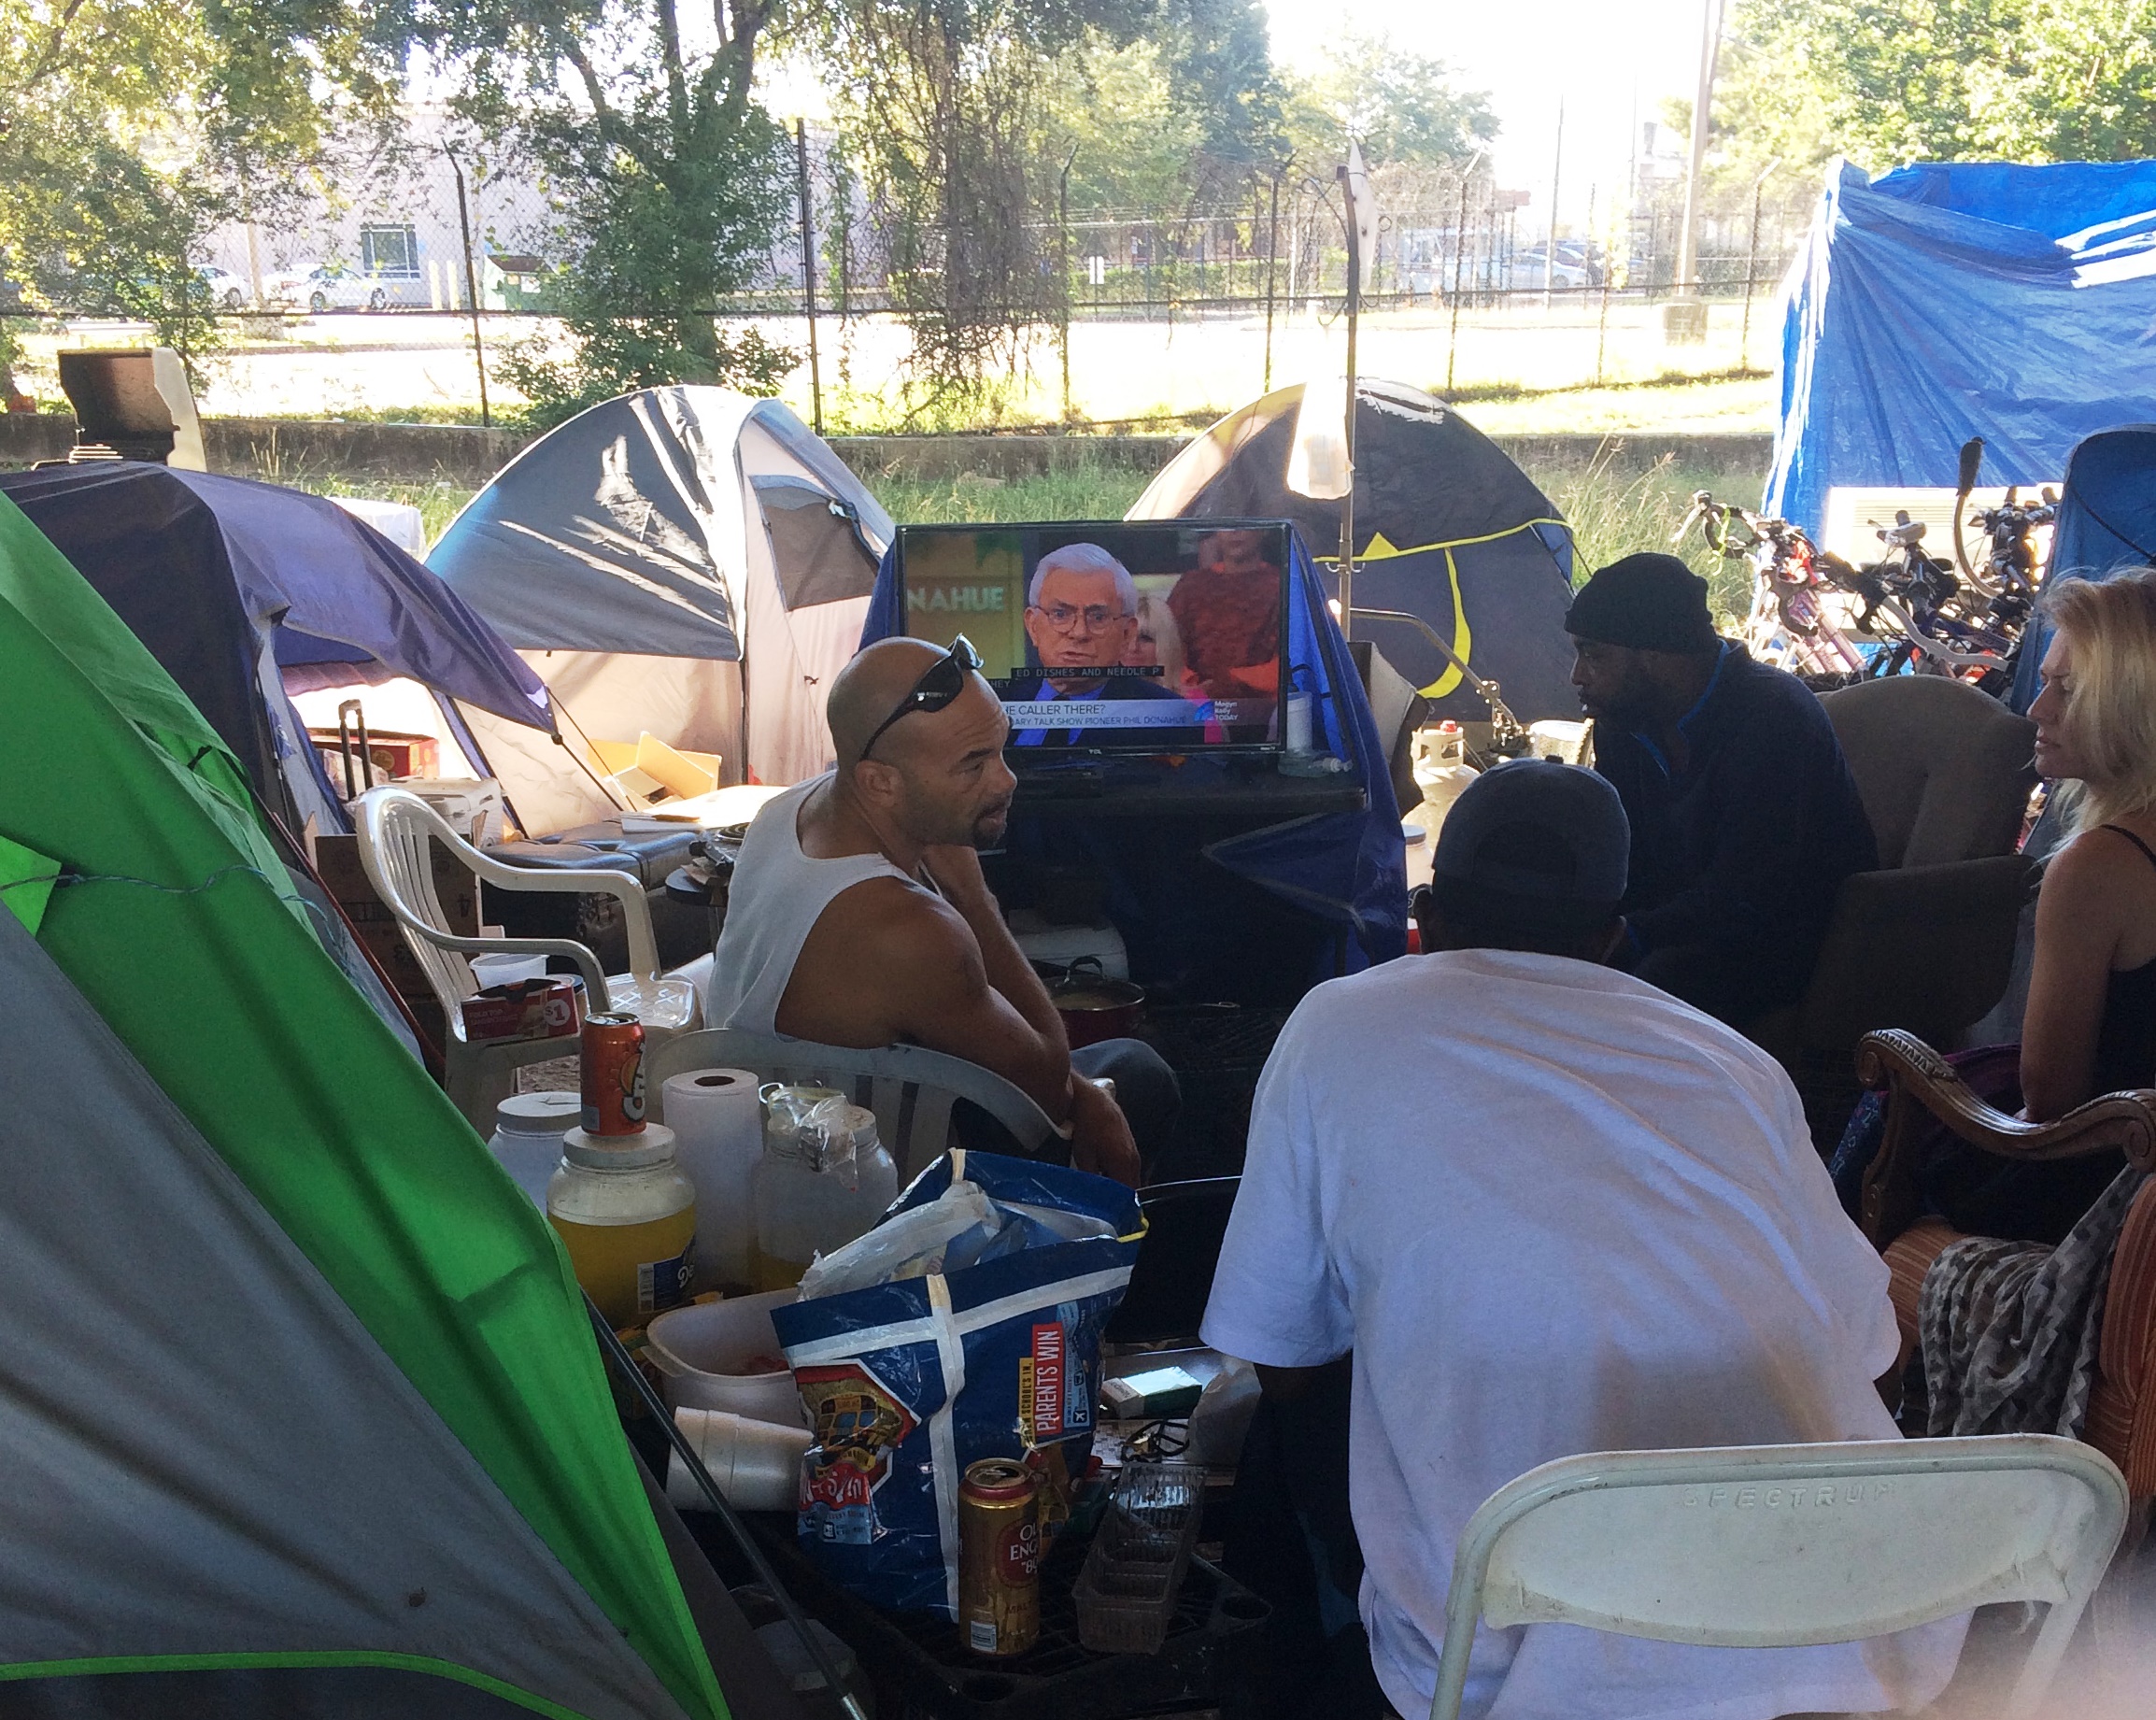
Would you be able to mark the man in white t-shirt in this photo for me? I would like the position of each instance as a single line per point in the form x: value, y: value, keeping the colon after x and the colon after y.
x: 1551, y: 1210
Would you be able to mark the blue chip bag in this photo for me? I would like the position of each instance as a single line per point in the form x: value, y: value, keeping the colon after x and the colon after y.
x: 907, y: 1383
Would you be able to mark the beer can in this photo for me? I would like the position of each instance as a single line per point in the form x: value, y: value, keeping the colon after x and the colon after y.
x: 998, y: 1556
x: 610, y: 1060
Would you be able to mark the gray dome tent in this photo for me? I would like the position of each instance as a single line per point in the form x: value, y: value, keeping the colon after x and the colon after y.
x: 1447, y: 528
x: 685, y: 562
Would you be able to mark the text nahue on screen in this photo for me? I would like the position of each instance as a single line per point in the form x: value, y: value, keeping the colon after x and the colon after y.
x: 966, y: 599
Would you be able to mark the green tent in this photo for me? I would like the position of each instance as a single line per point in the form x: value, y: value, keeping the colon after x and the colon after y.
x: 300, y: 1407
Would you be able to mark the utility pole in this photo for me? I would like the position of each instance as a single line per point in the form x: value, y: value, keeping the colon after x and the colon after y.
x: 1556, y: 179
x: 1702, y: 124
x: 808, y: 271
x: 471, y: 286
x: 1347, y: 501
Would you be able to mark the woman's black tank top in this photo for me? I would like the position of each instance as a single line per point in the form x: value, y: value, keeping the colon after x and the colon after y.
x: 2126, y: 1038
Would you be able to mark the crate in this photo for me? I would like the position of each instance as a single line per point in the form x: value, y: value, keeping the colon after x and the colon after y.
x: 1209, y: 1655
x: 1216, y: 1052
x: 337, y: 859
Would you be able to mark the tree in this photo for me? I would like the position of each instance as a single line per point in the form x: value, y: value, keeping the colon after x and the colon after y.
x: 951, y: 101
x: 1405, y: 108
x: 670, y: 176
x: 130, y: 128
x: 1892, y: 82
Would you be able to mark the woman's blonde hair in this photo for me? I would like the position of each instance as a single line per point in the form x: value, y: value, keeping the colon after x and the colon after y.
x: 2111, y: 715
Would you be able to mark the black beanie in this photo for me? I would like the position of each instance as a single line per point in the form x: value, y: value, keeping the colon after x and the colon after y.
x: 1650, y: 601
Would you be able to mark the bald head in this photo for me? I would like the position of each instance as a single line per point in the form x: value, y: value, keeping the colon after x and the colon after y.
x: 934, y: 777
x: 868, y: 689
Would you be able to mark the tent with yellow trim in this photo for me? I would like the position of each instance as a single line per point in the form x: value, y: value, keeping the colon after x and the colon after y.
x: 1447, y: 528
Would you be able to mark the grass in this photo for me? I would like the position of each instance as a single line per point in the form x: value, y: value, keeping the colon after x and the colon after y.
x: 437, y: 500
x: 1614, y: 511
x: 1085, y: 492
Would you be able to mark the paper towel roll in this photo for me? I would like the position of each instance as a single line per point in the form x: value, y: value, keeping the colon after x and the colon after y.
x: 719, y: 1135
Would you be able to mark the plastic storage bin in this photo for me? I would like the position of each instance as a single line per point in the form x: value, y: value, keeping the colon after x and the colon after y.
x: 1125, y: 1595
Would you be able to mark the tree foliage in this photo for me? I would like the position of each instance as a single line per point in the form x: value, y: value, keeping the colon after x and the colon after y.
x: 670, y: 176
x: 1406, y: 109
x: 1892, y: 82
x: 130, y: 128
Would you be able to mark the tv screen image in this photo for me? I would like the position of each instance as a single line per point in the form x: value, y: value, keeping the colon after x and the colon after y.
x: 1152, y: 636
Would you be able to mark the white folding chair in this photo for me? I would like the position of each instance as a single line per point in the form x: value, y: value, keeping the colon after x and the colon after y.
x: 394, y: 826
x: 1778, y: 1546
x: 910, y: 1088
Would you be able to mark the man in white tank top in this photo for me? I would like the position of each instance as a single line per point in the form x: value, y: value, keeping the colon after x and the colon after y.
x: 858, y: 914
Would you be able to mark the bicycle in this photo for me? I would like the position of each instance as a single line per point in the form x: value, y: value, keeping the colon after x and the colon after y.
x: 1935, y: 629
x: 1789, y: 625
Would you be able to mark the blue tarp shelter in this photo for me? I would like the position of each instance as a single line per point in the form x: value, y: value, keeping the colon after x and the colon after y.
x: 243, y: 590
x: 2107, y: 524
x: 1952, y: 300
x: 1347, y: 868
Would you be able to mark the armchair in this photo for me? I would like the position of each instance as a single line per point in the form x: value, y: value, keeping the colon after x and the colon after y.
x: 1921, y: 1086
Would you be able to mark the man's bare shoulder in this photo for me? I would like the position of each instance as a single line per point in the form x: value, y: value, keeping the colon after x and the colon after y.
x: 891, y: 920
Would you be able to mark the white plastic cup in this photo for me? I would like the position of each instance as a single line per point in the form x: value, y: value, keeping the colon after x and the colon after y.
x: 756, y: 1464
x: 1298, y: 722
x: 507, y: 968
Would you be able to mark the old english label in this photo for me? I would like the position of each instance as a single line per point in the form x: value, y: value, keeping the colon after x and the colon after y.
x: 998, y: 1557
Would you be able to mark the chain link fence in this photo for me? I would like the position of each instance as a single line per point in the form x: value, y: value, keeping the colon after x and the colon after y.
x: 387, y: 298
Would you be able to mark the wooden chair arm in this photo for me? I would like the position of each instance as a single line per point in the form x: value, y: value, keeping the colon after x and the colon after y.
x: 1920, y: 1084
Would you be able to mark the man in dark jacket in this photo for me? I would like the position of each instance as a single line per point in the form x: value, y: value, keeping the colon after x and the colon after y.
x: 1744, y: 816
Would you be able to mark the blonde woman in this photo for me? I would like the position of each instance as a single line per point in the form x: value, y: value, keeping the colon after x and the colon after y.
x: 2091, y: 1023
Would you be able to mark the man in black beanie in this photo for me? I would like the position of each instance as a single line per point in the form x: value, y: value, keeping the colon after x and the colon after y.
x: 1744, y: 816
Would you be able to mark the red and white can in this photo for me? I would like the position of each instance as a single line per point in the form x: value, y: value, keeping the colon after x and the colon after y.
x: 610, y: 1059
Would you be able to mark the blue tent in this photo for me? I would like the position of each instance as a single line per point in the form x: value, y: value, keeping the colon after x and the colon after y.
x: 2107, y: 524
x: 1348, y: 868
x: 243, y: 590
x: 1947, y: 301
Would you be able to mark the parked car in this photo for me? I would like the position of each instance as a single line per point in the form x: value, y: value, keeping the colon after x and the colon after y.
x: 226, y: 291
x: 328, y: 286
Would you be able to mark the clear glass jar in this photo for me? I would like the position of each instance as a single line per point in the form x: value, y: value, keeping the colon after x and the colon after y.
x: 823, y: 1179
x: 627, y: 1216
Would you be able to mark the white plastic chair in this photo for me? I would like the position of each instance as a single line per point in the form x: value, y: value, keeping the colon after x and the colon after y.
x: 910, y: 1088
x: 1778, y: 1546
x: 394, y: 826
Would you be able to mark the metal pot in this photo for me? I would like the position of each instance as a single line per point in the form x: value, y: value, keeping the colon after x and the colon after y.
x: 1093, y: 1006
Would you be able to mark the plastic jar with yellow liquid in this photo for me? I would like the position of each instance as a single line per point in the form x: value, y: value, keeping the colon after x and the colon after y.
x: 627, y: 1216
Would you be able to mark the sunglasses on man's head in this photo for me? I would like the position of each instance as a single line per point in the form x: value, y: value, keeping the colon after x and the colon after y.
x: 943, y: 681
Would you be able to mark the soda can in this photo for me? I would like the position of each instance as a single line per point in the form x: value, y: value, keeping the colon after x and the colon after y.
x: 610, y: 1059
x: 998, y: 1556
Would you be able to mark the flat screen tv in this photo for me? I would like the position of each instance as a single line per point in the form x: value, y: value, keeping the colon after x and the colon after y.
x: 1155, y: 637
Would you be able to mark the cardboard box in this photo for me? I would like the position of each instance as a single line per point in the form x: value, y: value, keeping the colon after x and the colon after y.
x: 337, y: 859
x: 550, y: 1008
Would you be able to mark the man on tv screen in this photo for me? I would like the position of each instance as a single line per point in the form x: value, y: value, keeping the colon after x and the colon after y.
x: 1081, y: 620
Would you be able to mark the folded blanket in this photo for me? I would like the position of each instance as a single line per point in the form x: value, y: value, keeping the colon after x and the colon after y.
x: 2010, y: 1330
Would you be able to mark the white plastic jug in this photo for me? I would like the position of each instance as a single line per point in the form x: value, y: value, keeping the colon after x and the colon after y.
x: 823, y: 1179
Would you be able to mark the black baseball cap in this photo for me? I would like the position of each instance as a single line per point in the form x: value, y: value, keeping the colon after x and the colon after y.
x: 1536, y: 841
